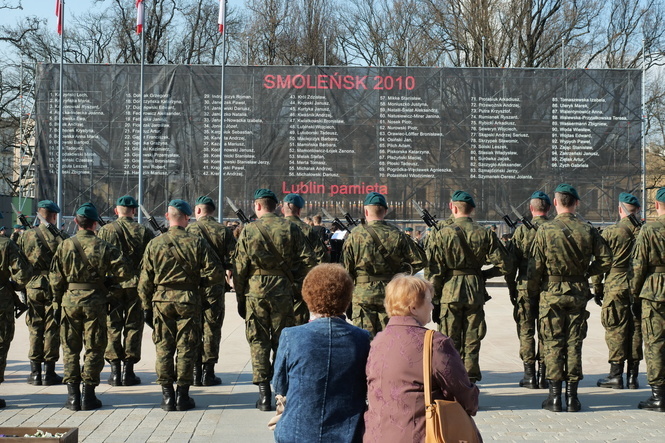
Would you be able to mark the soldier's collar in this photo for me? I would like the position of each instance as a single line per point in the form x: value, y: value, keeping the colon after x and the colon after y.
x: 84, y: 232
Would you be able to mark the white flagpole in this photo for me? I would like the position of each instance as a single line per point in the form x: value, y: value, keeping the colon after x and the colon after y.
x: 220, y: 197
x: 140, y: 177
x: 59, y: 197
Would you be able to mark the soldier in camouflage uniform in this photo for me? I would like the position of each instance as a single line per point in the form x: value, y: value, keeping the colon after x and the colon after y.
x: 39, y: 246
x: 77, y: 277
x: 293, y: 203
x: 175, y: 265
x: 372, y: 262
x: 125, y: 318
x: 525, y: 308
x: 623, y: 333
x: 272, y: 258
x: 558, y: 273
x: 15, y: 269
x: 648, y: 284
x: 222, y: 241
x: 456, y: 253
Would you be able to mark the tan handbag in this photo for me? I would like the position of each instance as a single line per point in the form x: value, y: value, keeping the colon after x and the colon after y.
x: 445, y: 421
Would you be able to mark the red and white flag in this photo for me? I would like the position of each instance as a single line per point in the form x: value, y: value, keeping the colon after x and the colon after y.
x: 222, y: 14
x: 58, y: 14
x: 139, y: 16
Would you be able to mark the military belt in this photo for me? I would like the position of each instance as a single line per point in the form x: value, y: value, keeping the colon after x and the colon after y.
x: 617, y: 269
x: 177, y: 287
x: 656, y: 269
x: 371, y: 278
x: 275, y: 272
x: 466, y: 271
x: 86, y: 286
x: 566, y: 279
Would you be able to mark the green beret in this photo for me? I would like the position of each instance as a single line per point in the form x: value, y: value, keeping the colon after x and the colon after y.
x: 461, y: 196
x: 128, y: 201
x: 205, y: 200
x: 182, y: 206
x: 265, y: 193
x: 89, y: 211
x: 18, y: 226
x: 295, y: 199
x: 540, y: 195
x: 660, y: 195
x: 375, y: 199
x: 408, y: 229
x: 49, y: 206
x: 629, y: 199
x: 565, y: 188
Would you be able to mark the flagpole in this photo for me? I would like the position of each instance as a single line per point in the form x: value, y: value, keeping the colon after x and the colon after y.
x: 140, y: 177
x: 220, y: 197
x: 59, y: 197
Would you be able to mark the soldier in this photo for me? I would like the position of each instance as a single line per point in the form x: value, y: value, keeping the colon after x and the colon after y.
x: 373, y: 253
x: 623, y: 333
x: 272, y: 258
x: 77, y: 280
x: 222, y: 241
x: 293, y: 203
x: 15, y: 269
x: 648, y: 283
x: 457, y: 251
x: 558, y: 273
x: 125, y: 310
x: 39, y: 246
x: 525, y: 309
x: 320, y: 229
x: 174, y: 267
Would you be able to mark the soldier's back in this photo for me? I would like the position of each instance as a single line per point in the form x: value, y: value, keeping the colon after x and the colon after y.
x: 219, y: 237
x: 129, y: 236
x: 557, y: 239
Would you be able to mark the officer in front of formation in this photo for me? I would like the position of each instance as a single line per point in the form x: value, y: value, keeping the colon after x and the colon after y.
x: 623, y: 333
x: 77, y: 278
x: 125, y: 318
x: 456, y: 252
x: 39, y: 246
x: 222, y: 241
x: 271, y: 260
x: 293, y: 203
x: 558, y: 273
x: 373, y: 253
x: 175, y: 266
x: 648, y: 286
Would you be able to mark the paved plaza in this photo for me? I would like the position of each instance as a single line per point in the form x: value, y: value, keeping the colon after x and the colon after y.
x: 226, y: 413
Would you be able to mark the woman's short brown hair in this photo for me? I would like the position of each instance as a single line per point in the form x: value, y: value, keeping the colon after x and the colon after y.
x: 327, y: 289
x: 405, y: 291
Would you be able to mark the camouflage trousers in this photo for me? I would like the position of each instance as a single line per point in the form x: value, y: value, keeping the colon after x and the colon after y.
x: 266, y: 318
x: 563, y: 327
x: 623, y: 332
x: 653, y: 327
x: 372, y: 318
x: 6, y: 335
x: 125, y: 327
x: 177, y: 328
x: 300, y: 312
x: 525, y: 313
x: 212, y: 321
x: 83, y: 326
x: 44, y: 333
x: 465, y: 325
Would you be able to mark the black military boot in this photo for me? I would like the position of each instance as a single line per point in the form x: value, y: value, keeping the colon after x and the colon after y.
x: 198, y: 373
x: 542, y: 376
x: 529, y: 381
x: 50, y: 377
x: 615, y: 379
x: 209, y: 378
x: 73, y: 397
x: 3, y: 403
x: 89, y: 400
x: 657, y: 400
x: 572, y: 402
x: 183, y: 402
x: 168, y: 398
x: 264, y: 403
x: 116, y: 377
x: 128, y: 376
x: 633, y: 370
x: 553, y: 401
x: 35, y: 377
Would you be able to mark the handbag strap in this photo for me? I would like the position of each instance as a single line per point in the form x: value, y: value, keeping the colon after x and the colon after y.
x: 427, y: 366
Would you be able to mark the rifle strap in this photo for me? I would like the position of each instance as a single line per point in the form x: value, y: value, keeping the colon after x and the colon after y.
x: 84, y: 257
x: 466, y: 248
x: 206, y: 234
x: 629, y: 232
x: 181, y: 260
x: 122, y: 237
x: 571, y: 240
x: 274, y: 251
x: 382, y: 249
x: 42, y: 239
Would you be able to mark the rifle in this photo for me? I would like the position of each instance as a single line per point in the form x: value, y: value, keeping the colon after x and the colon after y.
x: 20, y: 300
x: 239, y: 213
x: 51, y: 228
x: 101, y: 221
x: 506, y: 218
x: 522, y: 218
x: 632, y: 217
x: 335, y: 221
x: 348, y: 217
x: 154, y: 224
x: 21, y: 218
x: 428, y: 218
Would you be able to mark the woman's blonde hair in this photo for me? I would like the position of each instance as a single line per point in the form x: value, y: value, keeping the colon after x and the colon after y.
x: 405, y: 291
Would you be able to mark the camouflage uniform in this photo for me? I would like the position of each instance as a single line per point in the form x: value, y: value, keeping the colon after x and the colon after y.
x: 371, y: 272
x: 560, y: 278
x: 173, y: 295
x: 126, y: 310
x: 261, y: 284
x: 81, y: 293
x: 223, y: 242
x: 459, y: 283
x: 44, y: 332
